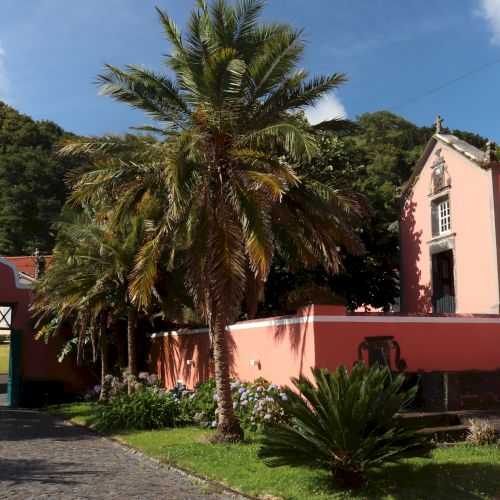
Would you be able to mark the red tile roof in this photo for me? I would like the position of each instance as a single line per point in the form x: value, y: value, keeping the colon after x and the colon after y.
x: 26, y: 263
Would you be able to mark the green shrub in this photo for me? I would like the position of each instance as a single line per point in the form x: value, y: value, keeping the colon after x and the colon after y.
x: 191, y: 412
x: 343, y: 423
x: 147, y: 408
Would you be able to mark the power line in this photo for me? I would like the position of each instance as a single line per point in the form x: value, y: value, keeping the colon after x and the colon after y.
x: 439, y: 87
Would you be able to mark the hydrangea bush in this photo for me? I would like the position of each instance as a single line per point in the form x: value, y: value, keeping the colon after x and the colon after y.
x: 195, y: 406
x: 255, y: 403
x: 114, y: 386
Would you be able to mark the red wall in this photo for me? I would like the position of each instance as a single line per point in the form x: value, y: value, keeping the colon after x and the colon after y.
x: 38, y: 360
x: 326, y: 336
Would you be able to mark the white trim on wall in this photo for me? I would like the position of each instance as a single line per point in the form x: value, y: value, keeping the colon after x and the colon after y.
x: 16, y: 273
x: 297, y: 320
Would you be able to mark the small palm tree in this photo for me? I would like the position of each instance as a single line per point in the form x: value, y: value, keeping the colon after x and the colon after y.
x: 72, y: 293
x: 224, y: 173
x: 88, y: 281
x: 343, y: 423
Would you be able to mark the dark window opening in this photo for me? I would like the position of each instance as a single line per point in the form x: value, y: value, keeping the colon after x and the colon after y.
x: 443, y: 286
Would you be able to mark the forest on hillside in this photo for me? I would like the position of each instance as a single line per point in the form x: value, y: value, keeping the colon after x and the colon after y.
x: 375, y: 156
x: 32, y: 188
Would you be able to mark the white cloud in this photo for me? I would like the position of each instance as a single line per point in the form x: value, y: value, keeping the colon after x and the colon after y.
x: 330, y: 107
x: 490, y: 10
x: 4, y: 82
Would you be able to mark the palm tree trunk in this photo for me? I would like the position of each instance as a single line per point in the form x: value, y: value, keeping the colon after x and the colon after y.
x: 103, y: 396
x: 132, y: 361
x: 229, y: 428
x: 103, y: 345
x: 121, y: 348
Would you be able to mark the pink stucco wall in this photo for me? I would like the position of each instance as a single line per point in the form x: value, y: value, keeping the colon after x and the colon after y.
x: 282, y: 350
x: 38, y: 359
x: 326, y: 336
x: 473, y: 225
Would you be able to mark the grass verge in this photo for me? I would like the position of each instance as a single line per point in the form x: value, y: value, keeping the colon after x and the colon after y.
x: 4, y: 357
x: 458, y: 472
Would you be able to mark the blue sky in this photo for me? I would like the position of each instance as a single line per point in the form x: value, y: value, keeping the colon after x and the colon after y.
x: 392, y: 50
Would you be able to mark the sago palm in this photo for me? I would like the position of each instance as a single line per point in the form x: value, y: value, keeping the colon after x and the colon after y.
x: 232, y: 131
x: 343, y: 423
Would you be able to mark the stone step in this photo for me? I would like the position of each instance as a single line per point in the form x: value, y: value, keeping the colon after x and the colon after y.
x: 473, y: 401
x: 424, y: 420
x: 448, y: 434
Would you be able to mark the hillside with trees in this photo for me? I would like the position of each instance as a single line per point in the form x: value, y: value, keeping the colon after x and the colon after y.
x: 32, y: 189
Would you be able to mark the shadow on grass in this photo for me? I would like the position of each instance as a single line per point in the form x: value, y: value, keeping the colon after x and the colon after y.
x: 412, y: 482
x: 85, y: 415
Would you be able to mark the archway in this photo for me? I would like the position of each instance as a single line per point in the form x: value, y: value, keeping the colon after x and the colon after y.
x: 14, y: 317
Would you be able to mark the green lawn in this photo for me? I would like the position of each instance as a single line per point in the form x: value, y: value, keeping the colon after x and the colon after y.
x: 459, y: 472
x: 4, y: 358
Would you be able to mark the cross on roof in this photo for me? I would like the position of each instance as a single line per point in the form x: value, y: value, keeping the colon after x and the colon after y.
x: 438, y: 122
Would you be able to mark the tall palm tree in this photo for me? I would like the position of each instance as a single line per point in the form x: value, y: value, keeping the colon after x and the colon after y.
x: 232, y: 131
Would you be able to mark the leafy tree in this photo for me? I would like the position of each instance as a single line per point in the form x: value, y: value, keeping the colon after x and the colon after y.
x: 31, y: 182
x: 225, y: 172
x: 343, y: 423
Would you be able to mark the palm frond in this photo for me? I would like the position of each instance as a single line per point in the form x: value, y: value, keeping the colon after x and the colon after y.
x: 171, y: 30
x: 277, y: 57
x: 289, y: 134
x: 145, y: 90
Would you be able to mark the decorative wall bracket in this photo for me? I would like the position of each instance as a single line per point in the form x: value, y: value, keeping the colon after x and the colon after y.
x: 379, y: 351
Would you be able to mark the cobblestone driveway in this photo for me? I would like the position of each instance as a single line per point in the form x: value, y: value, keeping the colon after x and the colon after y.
x: 42, y: 457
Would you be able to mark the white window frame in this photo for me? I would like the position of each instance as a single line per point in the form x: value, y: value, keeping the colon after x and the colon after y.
x: 444, y: 216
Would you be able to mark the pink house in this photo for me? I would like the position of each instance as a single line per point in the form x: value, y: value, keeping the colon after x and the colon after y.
x: 450, y: 230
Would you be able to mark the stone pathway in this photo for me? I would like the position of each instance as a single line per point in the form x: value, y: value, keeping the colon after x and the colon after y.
x: 41, y: 457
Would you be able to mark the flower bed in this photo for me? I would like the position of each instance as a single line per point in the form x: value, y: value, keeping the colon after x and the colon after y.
x: 255, y: 403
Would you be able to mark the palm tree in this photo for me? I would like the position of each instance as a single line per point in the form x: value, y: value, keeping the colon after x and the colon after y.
x: 233, y: 132
x: 88, y: 281
x: 72, y: 293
